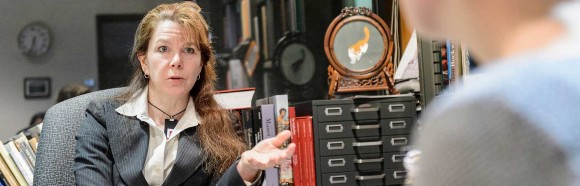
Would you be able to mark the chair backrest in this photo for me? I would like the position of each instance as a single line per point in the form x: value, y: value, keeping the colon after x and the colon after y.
x: 56, y: 148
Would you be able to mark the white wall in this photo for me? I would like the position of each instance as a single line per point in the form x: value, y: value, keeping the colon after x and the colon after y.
x: 72, y: 57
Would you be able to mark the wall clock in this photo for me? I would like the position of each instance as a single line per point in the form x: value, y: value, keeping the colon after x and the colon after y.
x: 359, y: 47
x: 34, y: 39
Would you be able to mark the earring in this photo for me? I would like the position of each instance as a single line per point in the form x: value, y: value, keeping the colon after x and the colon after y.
x: 146, y: 76
x: 198, y: 76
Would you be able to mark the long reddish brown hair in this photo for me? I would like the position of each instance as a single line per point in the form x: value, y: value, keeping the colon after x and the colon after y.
x: 222, y: 152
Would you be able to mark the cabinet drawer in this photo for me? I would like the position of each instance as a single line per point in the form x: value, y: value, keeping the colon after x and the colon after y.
x: 361, y: 162
x: 349, y: 163
x: 366, y: 111
x: 394, y: 143
x: 387, y: 177
x: 363, y: 145
x: 395, y: 176
x: 347, y: 146
x: 364, y: 128
x: 398, y: 109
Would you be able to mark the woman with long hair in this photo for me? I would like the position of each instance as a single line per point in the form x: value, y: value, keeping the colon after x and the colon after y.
x: 166, y: 128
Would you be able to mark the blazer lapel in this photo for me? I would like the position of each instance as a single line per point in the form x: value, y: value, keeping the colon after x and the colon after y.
x: 189, y: 158
x: 129, y: 140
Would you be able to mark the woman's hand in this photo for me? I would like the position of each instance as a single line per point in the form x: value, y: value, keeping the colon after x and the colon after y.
x: 264, y: 155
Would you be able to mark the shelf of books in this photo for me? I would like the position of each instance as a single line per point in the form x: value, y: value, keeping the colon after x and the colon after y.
x: 17, y: 158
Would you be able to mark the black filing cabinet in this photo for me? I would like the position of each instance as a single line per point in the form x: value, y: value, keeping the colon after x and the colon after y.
x: 359, y: 140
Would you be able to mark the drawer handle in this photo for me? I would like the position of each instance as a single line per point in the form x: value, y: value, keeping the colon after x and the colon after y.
x: 399, y: 141
x: 363, y: 144
x: 333, y: 111
x: 337, y: 179
x: 400, y: 174
x: 359, y: 161
x: 398, y: 124
x: 369, y: 109
x: 397, y: 158
x: 374, y: 177
x: 359, y: 127
x: 397, y: 108
x: 334, y: 128
x: 335, y: 145
x: 338, y: 162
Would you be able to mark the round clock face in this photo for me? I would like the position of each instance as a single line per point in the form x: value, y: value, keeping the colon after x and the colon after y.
x: 34, y: 40
x: 298, y: 64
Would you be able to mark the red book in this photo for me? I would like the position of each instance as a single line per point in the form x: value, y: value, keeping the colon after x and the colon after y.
x: 308, y: 169
x: 296, y: 166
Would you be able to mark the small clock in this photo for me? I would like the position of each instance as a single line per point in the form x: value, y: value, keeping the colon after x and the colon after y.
x: 297, y: 63
x: 295, y: 67
x: 34, y: 39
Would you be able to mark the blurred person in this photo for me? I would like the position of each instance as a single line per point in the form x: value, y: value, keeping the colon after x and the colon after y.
x: 515, y: 121
x: 36, y: 119
x: 167, y: 129
x: 72, y: 90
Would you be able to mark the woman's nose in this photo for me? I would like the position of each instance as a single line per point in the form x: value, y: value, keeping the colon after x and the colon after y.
x: 176, y: 61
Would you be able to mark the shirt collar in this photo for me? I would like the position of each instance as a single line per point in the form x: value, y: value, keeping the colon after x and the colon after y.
x: 137, y: 107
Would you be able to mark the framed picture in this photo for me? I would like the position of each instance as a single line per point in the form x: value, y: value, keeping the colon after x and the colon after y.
x: 37, y: 87
x: 252, y: 58
x: 359, y: 47
x: 358, y: 43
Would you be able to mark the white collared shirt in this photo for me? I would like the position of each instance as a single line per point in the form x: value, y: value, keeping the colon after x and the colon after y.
x: 162, y: 151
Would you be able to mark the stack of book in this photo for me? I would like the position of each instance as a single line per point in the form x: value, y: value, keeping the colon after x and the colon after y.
x: 17, y: 158
x: 266, y: 119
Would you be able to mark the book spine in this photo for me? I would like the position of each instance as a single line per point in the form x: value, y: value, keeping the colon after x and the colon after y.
x: 296, y: 164
x: 449, y: 61
x: 269, y: 131
x: 10, y: 179
x: 247, y: 121
x: 282, y: 123
x: 20, y: 162
x: 33, y: 144
x: 309, y: 145
x: 257, y: 124
x: 12, y: 165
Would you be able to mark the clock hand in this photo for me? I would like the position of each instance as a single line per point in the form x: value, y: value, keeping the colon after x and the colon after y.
x: 298, y: 63
x: 33, y: 45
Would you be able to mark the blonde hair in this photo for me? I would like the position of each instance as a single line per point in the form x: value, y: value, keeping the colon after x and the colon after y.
x: 222, y: 152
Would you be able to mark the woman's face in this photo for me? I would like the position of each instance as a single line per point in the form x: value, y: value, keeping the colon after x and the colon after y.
x: 171, y: 62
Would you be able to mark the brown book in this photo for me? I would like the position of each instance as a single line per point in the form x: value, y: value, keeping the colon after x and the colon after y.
x: 10, y: 179
x: 33, y: 144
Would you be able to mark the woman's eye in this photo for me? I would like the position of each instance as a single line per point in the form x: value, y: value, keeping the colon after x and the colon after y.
x: 189, y: 50
x: 162, y: 49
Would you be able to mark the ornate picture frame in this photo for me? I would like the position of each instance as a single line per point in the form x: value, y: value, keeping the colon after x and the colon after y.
x: 359, y: 47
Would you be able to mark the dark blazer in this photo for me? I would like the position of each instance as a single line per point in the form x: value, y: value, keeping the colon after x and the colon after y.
x: 111, y: 150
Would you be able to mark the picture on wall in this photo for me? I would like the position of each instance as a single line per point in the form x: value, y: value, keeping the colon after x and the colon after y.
x: 36, y: 87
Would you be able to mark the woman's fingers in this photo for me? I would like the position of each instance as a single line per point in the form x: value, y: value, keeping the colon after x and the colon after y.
x: 281, y: 138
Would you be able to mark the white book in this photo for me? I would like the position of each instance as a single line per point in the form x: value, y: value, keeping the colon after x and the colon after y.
x: 21, y: 142
x: 20, y: 162
x: 236, y: 98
